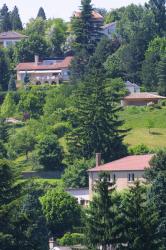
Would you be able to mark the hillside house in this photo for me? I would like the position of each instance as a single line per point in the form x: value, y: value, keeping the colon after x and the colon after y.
x: 132, y: 87
x: 123, y: 171
x: 50, y: 71
x: 109, y: 29
x: 141, y: 99
x: 81, y: 195
x: 10, y: 38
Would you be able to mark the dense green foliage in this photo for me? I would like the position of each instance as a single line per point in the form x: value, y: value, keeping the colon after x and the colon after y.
x: 49, y: 152
x: 61, y: 211
x: 60, y: 128
x: 10, y: 20
x: 4, y: 70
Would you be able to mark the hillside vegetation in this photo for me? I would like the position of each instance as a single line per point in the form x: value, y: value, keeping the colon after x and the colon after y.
x: 138, y: 119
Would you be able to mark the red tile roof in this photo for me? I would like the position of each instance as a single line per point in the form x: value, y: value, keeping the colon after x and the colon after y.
x: 55, y: 66
x: 95, y: 15
x: 143, y: 96
x: 11, y: 35
x: 129, y: 163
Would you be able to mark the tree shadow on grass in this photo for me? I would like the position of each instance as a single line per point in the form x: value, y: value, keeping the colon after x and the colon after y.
x: 155, y: 133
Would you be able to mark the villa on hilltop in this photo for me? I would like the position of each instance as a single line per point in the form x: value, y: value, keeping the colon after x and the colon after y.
x: 10, y: 38
x: 52, y: 71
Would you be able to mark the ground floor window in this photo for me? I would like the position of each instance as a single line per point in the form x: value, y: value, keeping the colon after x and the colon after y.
x: 131, y: 177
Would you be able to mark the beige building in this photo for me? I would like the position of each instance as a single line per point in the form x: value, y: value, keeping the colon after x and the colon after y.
x: 141, y: 99
x: 123, y: 171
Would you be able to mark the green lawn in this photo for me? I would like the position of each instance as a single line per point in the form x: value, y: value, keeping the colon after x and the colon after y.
x: 156, y: 139
x: 137, y: 118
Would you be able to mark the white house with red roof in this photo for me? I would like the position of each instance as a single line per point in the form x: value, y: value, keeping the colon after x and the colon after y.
x: 46, y: 71
x: 10, y: 38
x: 123, y: 171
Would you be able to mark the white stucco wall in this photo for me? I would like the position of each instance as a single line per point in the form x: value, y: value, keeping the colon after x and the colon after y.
x: 122, y: 181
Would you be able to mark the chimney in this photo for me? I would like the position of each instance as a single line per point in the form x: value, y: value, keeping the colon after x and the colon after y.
x: 51, y: 243
x: 98, y: 159
x: 36, y: 59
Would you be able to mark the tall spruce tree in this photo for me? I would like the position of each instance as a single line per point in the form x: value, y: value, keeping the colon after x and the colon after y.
x: 83, y: 27
x: 159, y: 9
x: 138, y: 231
x: 87, y: 35
x: 26, y: 79
x: 156, y: 175
x: 41, y: 13
x: 158, y: 197
x: 96, y: 126
x: 15, y: 19
x: 4, y: 70
x: 101, y: 216
x: 5, y: 22
x: 12, y: 84
x: 162, y: 76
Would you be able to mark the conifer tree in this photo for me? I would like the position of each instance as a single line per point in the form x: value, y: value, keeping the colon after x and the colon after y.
x: 15, y: 19
x: 156, y: 175
x: 8, y: 107
x: 162, y: 76
x: 4, y: 70
x: 158, y: 197
x: 12, y: 84
x: 26, y: 79
x: 101, y: 216
x: 86, y: 30
x: 5, y: 23
x: 96, y: 126
x: 138, y: 231
x: 41, y: 13
x: 159, y: 9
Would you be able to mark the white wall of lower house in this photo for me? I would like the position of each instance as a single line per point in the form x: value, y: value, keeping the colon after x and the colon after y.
x: 42, y: 77
x: 81, y: 194
x: 133, y: 89
x: 7, y: 43
x: 122, y: 179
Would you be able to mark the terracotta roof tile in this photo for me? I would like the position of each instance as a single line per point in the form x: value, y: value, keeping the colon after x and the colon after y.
x: 143, y: 95
x: 129, y: 163
x: 95, y: 14
x: 55, y: 66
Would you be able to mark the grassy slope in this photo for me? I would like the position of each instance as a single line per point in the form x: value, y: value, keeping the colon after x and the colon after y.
x: 137, y: 119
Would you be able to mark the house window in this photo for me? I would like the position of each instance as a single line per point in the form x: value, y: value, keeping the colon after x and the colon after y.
x: 131, y: 177
x: 82, y: 202
x: 111, y: 178
x: 114, y: 178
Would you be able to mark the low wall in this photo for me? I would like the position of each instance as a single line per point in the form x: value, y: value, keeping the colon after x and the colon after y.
x: 42, y: 174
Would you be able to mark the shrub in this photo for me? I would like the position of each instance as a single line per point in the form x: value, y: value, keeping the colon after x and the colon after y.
x: 71, y: 239
x: 139, y: 150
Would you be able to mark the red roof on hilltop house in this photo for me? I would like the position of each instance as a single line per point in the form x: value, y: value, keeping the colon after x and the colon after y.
x: 40, y: 66
x: 95, y: 14
x: 143, y: 95
x: 11, y: 35
x: 129, y: 163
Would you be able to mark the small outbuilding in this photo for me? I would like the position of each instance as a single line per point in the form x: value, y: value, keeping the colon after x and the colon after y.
x: 141, y: 99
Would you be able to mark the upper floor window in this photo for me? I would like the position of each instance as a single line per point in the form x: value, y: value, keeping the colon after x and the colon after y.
x: 131, y: 177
